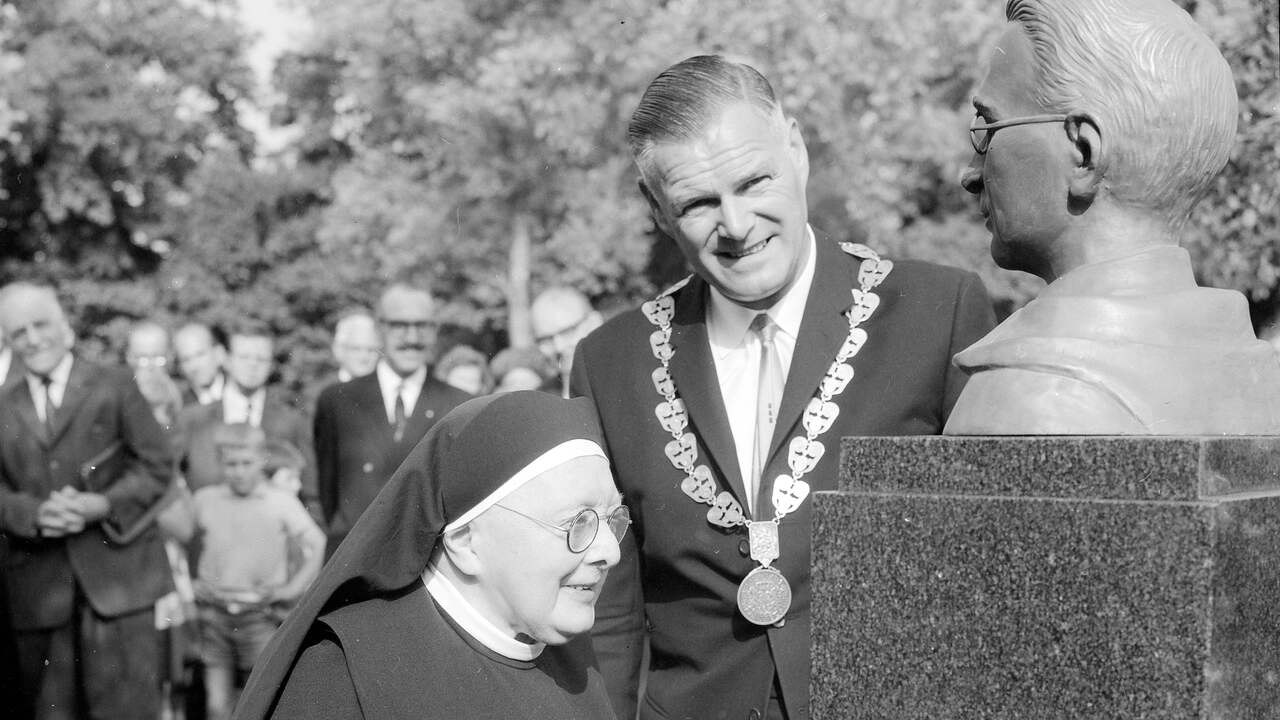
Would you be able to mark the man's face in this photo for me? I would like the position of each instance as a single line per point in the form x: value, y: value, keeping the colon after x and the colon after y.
x: 199, y: 358
x: 37, y: 329
x: 559, y: 328
x: 734, y: 201
x: 530, y: 582
x: 1021, y: 181
x: 241, y: 468
x: 408, y: 330
x: 147, y: 349
x: 356, y: 348
x: 249, y: 361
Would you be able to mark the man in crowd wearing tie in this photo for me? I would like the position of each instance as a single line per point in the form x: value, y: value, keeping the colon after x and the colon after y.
x: 81, y: 462
x: 723, y: 400
x: 200, y: 359
x: 245, y: 399
x: 364, y: 428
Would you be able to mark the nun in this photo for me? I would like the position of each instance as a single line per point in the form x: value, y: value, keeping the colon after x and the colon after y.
x: 468, y: 587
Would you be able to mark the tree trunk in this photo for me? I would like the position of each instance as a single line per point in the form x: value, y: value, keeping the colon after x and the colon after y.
x: 519, y: 330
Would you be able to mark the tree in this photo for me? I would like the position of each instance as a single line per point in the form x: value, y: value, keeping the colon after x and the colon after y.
x: 106, y: 108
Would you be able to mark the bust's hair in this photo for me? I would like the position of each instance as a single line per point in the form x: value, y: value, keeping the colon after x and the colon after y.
x: 1159, y: 89
x: 685, y: 98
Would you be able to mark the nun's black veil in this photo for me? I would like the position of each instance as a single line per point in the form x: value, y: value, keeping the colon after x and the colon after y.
x: 465, y: 456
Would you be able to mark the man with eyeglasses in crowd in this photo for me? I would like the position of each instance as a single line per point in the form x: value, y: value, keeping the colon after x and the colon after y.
x: 246, y: 399
x: 356, y: 349
x: 364, y: 428
x: 561, y: 316
x: 1097, y: 128
x: 146, y: 351
x: 82, y: 460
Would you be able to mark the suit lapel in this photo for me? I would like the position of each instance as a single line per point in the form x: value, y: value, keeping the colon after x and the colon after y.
x: 77, y: 390
x: 823, y: 330
x: 694, y: 373
x: 25, y: 406
x: 371, y: 405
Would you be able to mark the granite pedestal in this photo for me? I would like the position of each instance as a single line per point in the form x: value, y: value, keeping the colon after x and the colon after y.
x: 1048, y: 577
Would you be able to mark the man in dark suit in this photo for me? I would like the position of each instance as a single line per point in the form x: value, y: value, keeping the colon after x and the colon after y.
x: 11, y: 372
x: 364, y: 428
x: 81, y: 462
x: 246, y: 399
x: 723, y: 401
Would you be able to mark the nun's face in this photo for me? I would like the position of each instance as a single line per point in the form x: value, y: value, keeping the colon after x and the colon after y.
x: 529, y: 580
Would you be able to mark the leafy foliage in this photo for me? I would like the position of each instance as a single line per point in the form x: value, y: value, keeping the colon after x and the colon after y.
x: 477, y: 146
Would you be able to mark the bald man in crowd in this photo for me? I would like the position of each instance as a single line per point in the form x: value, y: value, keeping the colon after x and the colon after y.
x: 356, y: 349
x: 200, y: 359
x: 81, y: 462
x: 561, y: 317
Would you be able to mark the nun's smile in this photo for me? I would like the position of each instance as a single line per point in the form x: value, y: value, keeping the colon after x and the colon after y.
x: 531, y: 582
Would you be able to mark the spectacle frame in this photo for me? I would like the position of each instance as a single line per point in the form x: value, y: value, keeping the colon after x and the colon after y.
x: 980, y: 134
x: 583, y: 527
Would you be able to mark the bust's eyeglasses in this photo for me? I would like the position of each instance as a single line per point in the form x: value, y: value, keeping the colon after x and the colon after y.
x: 980, y: 133
x: 581, y: 530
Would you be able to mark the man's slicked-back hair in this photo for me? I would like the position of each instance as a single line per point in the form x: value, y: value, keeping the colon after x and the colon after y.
x: 685, y: 98
x: 1158, y: 87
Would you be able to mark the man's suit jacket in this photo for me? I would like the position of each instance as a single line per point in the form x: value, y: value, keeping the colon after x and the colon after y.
x: 280, y: 421
x: 707, y: 660
x: 356, y: 451
x: 100, y: 408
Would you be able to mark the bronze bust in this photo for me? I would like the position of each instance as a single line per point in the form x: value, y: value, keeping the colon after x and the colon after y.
x: 1098, y: 126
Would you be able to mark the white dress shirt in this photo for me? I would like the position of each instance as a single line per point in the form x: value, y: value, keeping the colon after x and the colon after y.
x: 6, y: 359
x: 239, y: 408
x: 213, y: 393
x: 57, y: 387
x: 736, y: 352
x: 390, y: 382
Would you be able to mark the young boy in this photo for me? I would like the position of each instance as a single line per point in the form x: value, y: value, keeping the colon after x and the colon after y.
x: 244, y: 584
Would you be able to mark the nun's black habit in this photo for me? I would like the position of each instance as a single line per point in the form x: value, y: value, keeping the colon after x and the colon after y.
x: 369, y: 641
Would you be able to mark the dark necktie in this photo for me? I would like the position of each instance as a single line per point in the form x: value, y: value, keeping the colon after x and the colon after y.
x: 400, y: 414
x: 768, y: 398
x: 46, y: 400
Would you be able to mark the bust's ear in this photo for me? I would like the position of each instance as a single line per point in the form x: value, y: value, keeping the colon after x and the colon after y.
x: 1090, y: 159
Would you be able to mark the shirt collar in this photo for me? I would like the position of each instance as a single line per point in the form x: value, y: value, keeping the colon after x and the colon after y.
x: 390, y: 380
x: 58, y: 376
x: 728, y: 322
x: 477, y: 626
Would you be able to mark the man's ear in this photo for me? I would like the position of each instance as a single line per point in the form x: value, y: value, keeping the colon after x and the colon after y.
x: 1089, y: 157
x: 459, y: 546
x: 655, y: 209
x: 799, y: 151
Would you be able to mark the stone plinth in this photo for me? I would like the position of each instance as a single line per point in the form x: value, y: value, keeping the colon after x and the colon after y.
x: 1048, y: 577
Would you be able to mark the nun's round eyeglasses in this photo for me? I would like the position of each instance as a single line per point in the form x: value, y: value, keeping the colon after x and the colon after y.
x: 582, y: 528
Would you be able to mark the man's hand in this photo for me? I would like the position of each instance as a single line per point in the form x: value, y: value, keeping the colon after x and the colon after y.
x: 55, y: 518
x: 68, y: 511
